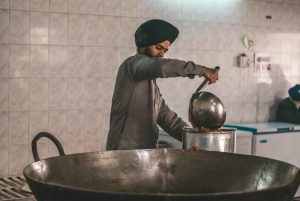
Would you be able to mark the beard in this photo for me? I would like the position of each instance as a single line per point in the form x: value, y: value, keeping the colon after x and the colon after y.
x: 148, y: 52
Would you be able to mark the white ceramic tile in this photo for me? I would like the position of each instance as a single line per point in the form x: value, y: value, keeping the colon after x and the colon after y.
x: 94, y: 60
x: 215, y: 11
x: 188, y: 55
x: 128, y: 28
x: 286, y: 40
x: 215, y: 39
x: 4, y: 86
x: 3, y: 160
x: 127, y: 52
x: 253, y: 13
x: 276, y: 13
x: 144, y: 8
x: 228, y: 37
x: 19, y: 27
x: 19, y: 94
x: 265, y: 10
x: 58, y: 124
x: 112, y: 28
x: 18, y: 128
x: 295, y: 41
x: 112, y: 7
x: 286, y: 64
x: 287, y: 16
x: 188, y: 35
x: 92, y: 145
x: 250, y: 90
x: 19, y: 4
x: 296, y: 16
x: 275, y: 40
x: 253, y: 32
x: 107, y: 91
x: 265, y: 91
x: 93, y: 124
x: 58, y: 90
x: 202, y: 10
x: 295, y: 68
x: 174, y: 8
x: 75, y: 125
x: 263, y: 39
x: 38, y: 122
x: 128, y: 8
x: 233, y: 113
x: 77, y: 6
x: 39, y: 56
x: 40, y: 5
x: 39, y: 28
x: 4, y: 28
x: 171, y: 54
x: 59, y: 6
x: 76, y: 93
x: 249, y: 113
x: 202, y: 35
x: 38, y: 94
x: 160, y: 9
x: 188, y: 10
x: 105, y: 122
x: 18, y: 159
x: 241, y: 12
x: 74, y: 147
x: 94, y: 93
x: 240, y: 32
x: 76, y: 61
x: 263, y: 114
x: 3, y: 128
x: 58, y: 29
x: 4, y: 60
x: 4, y: 4
x: 58, y: 57
x: 95, y: 31
x: 19, y: 60
x: 95, y: 7
x: 77, y: 29
x: 110, y: 61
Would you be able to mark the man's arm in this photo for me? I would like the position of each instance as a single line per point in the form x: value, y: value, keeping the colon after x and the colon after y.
x: 146, y: 68
x: 170, y: 122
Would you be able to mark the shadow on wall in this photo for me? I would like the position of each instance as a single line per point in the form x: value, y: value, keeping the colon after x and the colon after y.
x: 279, y: 85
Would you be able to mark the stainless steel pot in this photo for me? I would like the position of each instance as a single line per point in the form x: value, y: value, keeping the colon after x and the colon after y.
x: 223, y: 140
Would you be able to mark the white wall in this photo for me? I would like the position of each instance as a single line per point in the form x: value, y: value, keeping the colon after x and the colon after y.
x: 58, y: 62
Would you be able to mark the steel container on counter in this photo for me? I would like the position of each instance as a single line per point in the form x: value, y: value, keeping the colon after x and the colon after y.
x: 223, y: 140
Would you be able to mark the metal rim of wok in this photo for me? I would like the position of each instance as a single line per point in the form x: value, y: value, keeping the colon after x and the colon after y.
x: 283, y: 185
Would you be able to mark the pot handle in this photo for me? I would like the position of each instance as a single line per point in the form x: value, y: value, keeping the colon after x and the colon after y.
x: 205, y: 82
x: 47, y: 135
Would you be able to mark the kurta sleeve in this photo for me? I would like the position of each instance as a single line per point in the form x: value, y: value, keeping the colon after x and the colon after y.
x: 170, y: 122
x: 146, y: 68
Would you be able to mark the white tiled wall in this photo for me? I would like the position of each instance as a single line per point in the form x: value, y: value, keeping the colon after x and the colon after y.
x: 58, y: 63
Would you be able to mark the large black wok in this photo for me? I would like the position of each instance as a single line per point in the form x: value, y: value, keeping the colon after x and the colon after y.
x: 161, y: 174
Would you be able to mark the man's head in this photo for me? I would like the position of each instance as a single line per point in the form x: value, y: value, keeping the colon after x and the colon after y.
x: 294, y: 93
x: 154, y: 37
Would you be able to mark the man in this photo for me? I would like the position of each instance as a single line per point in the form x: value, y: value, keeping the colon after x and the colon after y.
x: 137, y: 105
x: 288, y: 110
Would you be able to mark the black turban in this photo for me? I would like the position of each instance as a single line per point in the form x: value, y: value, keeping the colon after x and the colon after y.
x: 155, y: 31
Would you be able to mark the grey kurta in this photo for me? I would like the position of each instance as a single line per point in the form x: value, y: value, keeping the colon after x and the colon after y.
x: 137, y: 105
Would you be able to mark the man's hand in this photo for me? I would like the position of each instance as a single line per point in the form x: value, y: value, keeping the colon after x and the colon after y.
x: 211, y: 75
